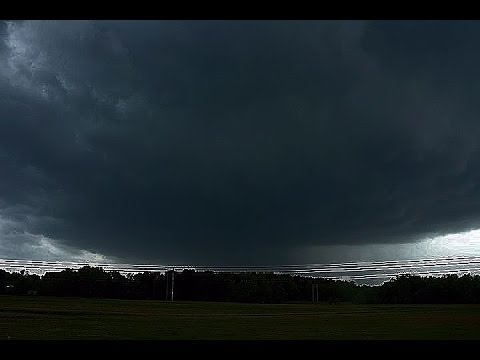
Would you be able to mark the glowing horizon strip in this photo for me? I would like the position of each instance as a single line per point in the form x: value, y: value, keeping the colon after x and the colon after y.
x: 343, y: 271
x: 470, y: 260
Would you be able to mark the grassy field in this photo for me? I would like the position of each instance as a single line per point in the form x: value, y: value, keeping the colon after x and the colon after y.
x: 71, y: 318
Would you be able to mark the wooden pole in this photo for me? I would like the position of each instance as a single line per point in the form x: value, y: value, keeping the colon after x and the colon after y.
x: 166, y: 287
x: 173, y: 281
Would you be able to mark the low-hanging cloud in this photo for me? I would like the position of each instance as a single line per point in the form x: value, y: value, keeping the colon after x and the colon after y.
x: 218, y: 142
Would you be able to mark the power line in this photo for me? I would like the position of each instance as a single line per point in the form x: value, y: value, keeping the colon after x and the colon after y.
x: 344, y: 271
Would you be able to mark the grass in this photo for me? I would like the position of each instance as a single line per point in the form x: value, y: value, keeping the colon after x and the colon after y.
x: 73, y: 318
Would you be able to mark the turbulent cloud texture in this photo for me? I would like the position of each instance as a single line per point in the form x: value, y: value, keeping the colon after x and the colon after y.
x: 236, y: 141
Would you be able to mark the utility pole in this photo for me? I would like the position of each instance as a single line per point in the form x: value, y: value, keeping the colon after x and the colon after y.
x: 154, y: 285
x: 166, y: 288
x: 313, y: 294
x: 173, y: 281
x: 317, y: 292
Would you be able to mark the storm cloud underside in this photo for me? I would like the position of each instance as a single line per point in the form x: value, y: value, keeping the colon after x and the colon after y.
x: 236, y: 142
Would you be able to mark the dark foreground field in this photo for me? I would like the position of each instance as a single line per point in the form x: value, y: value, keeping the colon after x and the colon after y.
x: 71, y: 318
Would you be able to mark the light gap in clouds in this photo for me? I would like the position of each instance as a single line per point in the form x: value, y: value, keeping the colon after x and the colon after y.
x: 370, y: 272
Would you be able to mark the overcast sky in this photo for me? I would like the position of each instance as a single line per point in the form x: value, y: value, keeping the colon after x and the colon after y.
x: 237, y: 142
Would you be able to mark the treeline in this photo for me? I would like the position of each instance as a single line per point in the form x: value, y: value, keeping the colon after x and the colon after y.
x: 239, y: 287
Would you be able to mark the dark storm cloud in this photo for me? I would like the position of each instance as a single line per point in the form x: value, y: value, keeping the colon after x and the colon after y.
x: 235, y: 141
